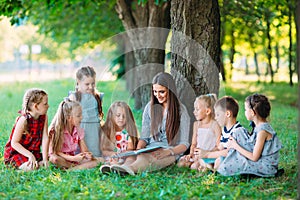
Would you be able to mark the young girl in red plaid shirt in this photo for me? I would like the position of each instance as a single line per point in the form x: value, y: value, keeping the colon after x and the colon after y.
x: 23, y: 149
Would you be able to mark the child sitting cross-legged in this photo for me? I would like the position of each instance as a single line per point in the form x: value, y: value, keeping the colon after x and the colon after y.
x: 66, y: 137
x: 119, y: 135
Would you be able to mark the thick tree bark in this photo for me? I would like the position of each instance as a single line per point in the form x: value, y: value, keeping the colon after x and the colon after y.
x: 147, y: 27
x: 195, y: 47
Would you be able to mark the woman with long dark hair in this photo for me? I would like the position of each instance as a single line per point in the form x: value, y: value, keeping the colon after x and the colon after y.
x: 165, y: 123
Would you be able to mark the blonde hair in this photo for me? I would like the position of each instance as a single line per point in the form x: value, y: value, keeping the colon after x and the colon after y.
x: 60, y: 122
x: 210, y: 100
x: 88, y: 71
x: 110, y: 128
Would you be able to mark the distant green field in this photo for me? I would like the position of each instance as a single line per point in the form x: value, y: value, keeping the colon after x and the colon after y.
x: 170, y: 183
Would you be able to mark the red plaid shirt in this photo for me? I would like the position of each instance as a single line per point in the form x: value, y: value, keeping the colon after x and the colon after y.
x: 31, y: 141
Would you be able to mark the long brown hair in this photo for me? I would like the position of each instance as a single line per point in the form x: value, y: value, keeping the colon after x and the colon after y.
x: 173, y: 112
x: 31, y: 96
x: 110, y: 128
x: 81, y: 73
x: 59, y: 123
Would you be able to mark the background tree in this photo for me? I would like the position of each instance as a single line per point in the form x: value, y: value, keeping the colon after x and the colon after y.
x: 195, y: 48
x: 142, y: 22
x: 297, y: 19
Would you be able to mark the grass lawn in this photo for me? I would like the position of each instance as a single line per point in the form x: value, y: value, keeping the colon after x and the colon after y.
x: 170, y: 183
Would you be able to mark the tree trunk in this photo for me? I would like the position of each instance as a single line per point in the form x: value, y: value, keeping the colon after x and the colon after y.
x: 195, y: 47
x: 291, y: 71
x: 232, y: 52
x: 246, y: 66
x: 147, y: 27
x: 277, y: 57
x: 269, y: 50
x: 256, y: 65
x: 252, y: 45
x: 297, y: 19
x: 223, y: 22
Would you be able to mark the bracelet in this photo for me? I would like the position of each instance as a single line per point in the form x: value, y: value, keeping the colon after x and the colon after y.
x: 172, y: 152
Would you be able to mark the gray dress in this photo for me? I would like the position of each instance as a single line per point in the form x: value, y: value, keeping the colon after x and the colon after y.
x: 162, y: 137
x: 91, y: 123
x: 266, y: 166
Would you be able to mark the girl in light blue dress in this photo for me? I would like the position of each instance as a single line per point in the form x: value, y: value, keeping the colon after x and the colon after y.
x: 256, y: 153
x: 91, y: 103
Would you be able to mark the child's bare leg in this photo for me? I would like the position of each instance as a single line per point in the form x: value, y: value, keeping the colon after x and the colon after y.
x: 44, y: 164
x: 217, y: 163
x: 141, y: 163
x: 183, y: 162
x: 147, y: 162
x: 28, y: 166
x: 99, y: 159
x: 195, y: 165
x: 129, y: 160
x: 59, y: 161
x: 86, y: 165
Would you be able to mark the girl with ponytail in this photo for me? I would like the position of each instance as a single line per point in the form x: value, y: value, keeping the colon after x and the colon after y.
x: 23, y: 149
x: 66, y: 137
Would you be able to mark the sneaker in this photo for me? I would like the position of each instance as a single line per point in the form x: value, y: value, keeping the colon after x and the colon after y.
x: 105, y: 169
x: 279, y: 172
x: 122, y: 170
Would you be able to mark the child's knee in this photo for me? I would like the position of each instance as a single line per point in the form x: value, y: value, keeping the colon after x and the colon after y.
x: 183, y: 163
x: 195, y: 165
x: 53, y: 159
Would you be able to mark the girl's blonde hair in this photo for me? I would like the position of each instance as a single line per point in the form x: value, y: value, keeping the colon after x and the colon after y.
x: 110, y: 128
x: 60, y: 122
x: 81, y: 73
x: 210, y: 100
x: 31, y: 96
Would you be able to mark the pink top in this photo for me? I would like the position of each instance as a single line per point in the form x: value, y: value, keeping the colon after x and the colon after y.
x: 71, y: 141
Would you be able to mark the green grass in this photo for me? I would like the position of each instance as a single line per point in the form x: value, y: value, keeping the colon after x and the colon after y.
x: 170, y: 183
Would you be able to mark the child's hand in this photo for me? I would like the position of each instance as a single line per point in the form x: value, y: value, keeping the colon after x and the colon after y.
x: 199, y: 153
x: 32, y: 163
x: 88, y: 155
x: 78, y: 158
x: 189, y: 158
x: 231, y: 143
x: 44, y: 163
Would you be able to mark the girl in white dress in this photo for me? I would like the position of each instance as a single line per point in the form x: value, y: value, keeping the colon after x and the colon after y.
x: 206, y: 131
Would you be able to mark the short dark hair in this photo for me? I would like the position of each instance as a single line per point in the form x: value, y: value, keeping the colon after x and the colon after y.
x: 228, y: 103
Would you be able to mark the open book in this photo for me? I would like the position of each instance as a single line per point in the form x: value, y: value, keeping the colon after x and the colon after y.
x: 136, y: 152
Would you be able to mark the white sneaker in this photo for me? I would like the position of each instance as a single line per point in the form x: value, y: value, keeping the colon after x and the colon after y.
x: 105, y: 169
x: 122, y: 170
